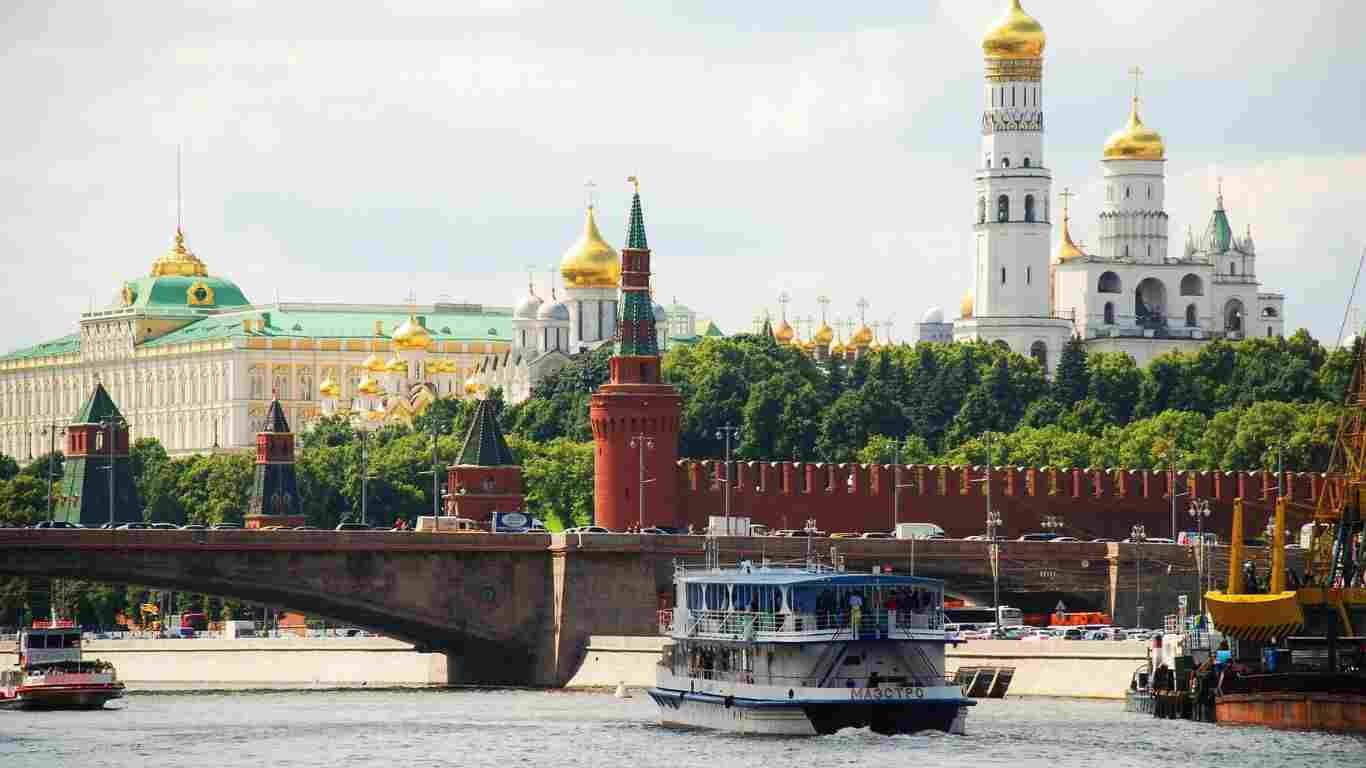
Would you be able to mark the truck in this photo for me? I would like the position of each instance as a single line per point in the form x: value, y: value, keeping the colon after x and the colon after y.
x: 919, y: 531
x: 238, y: 628
x: 738, y: 526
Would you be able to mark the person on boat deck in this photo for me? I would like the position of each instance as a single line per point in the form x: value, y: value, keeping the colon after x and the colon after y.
x: 855, y: 612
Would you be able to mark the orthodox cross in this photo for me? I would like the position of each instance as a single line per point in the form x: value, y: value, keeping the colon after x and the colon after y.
x: 1066, y: 194
x: 1137, y: 72
x: 862, y: 305
x: 635, y: 184
x: 531, y: 279
x: 552, y: 281
x: 889, y: 325
x: 783, y: 299
x: 590, y: 192
x: 877, y: 326
x: 824, y: 301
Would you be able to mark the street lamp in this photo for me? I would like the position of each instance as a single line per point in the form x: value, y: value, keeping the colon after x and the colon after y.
x: 51, y: 431
x: 1137, y: 535
x: 109, y: 424
x: 728, y: 432
x: 897, y: 485
x: 1054, y: 522
x: 1199, y: 509
x: 642, y: 444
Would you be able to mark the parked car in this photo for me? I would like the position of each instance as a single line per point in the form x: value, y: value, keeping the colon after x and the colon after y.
x: 194, y: 527
x: 656, y: 530
x: 304, y: 528
x: 132, y: 527
x: 226, y: 527
x: 844, y: 535
x: 57, y: 524
x: 349, y: 527
x: 587, y: 529
x: 1073, y: 633
x: 1062, y: 539
x: 1038, y: 537
x: 877, y: 535
x: 162, y: 527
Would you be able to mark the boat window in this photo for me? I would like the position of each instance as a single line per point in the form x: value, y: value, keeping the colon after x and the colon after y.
x: 716, y: 597
x: 72, y: 641
x: 695, y: 602
x: 757, y: 597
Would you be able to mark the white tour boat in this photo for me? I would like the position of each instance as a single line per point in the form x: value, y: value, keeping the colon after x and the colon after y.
x: 806, y: 650
x: 51, y: 675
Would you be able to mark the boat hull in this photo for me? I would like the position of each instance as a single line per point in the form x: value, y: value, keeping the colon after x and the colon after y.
x: 809, y: 718
x: 61, y: 697
x: 1294, y: 710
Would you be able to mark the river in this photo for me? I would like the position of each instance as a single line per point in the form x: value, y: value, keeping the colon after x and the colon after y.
x: 412, y: 728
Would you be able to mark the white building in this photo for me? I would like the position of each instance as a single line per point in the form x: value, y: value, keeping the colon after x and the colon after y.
x: 932, y: 327
x: 1011, y: 299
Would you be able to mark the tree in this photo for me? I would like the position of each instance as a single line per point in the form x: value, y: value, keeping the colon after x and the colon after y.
x: 1041, y: 413
x: 39, y: 467
x: 8, y: 467
x: 1073, y: 378
x: 884, y: 450
x: 559, y: 481
x: 1115, y: 384
x: 23, y: 501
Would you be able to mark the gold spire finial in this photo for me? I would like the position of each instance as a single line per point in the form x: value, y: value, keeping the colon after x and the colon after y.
x: 1219, y: 192
x: 1066, y: 194
x: 1137, y: 72
x: 590, y: 193
x: 1067, y: 250
x: 635, y: 183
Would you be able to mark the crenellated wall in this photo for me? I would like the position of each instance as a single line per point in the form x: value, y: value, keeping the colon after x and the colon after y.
x: 1091, y: 502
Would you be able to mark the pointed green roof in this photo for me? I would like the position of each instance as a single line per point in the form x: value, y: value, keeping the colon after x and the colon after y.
x: 484, y: 443
x: 98, y: 407
x: 635, y: 232
x: 712, y: 332
x: 275, y: 418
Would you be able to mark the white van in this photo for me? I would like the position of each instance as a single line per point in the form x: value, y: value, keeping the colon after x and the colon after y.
x: 919, y: 531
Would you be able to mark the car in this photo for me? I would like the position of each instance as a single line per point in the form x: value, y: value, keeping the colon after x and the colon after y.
x: 132, y: 527
x: 1102, y: 541
x: 1038, y: 537
x: 656, y: 530
x: 1067, y: 539
x: 226, y: 527
x: 194, y: 527
x: 162, y: 527
x: 304, y: 528
x: 844, y: 535
x: 352, y: 527
x: 587, y: 529
x: 758, y: 529
x: 877, y: 535
x: 57, y: 524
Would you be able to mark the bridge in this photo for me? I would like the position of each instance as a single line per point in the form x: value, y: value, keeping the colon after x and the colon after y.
x: 519, y: 608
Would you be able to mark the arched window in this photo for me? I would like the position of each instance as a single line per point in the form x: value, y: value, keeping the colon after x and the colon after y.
x: 1005, y: 162
x: 1029, y: 208
x: 1233, y: 316
x: 1109, y: 283
x: 1003, y: 208
x: 1270, y: 312
x: 1192, y: 285
x: 1039, y: 351
x: 1150, y: 251
x: 1190, y: 316
x: 981, y: 210
x: 1150, y: 191
x: 1109, y: 313
x: 1029, y: 275
x: 1003, y: 275
x: 988, y: 161
x: 1126, y: 193
x: 1232, y: 268
x: 1026, y: 162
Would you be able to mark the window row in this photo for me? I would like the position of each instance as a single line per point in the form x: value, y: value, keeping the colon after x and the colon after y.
x: 1003, y: 210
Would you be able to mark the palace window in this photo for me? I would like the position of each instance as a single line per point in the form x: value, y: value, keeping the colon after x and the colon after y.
x: 1003, y: 208
x: 1029, y: 275
x: 1026, y: 162
x: 1190, y: 316
x: 1029, y: 207
x: 1109, y: 313
x: 1005, y: 162
x: 1003, y: 275
x: 981, y: 210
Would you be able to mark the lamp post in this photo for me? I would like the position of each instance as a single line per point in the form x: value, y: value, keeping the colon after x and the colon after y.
x: 1053, y: 522
x: 642, y: 444
x: 994, y: 522
x: 1199, y: 509
x: 727, y: 432
x: 109, y: 424
x: 897, y: 485
x: 1137, y: 535
x: 51, y: 431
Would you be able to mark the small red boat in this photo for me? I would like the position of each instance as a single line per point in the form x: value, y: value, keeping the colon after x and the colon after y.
x: 51, y: 674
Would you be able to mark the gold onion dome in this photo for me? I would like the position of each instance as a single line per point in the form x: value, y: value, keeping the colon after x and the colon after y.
x: 1135, y: 141
x: 329, y: 388
x: 179, y: 261
x: 374, y: 364
x: 1068, y: 250
x: 862, y: 337
x: 411, y: 335
x: 590, y: 262
x: 471, y: 386
x: 368, y: 386
x: 784, y: 333
x: 397, y: 366
x: 824, y: 335
x: 1016, y: 35
x: 965, y: 309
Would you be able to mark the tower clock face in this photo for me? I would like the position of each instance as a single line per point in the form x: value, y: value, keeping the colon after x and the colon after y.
x: 200, y: 294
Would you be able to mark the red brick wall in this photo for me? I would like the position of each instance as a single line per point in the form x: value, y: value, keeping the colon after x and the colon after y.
x: 1092, y: 503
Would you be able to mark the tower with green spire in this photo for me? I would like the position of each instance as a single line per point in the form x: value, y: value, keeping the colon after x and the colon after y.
x: 97, y: 466
x: 485, y: 477
x: 635, y: 416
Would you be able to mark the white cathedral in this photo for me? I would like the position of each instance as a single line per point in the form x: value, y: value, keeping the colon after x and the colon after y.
x: 1131, y: 295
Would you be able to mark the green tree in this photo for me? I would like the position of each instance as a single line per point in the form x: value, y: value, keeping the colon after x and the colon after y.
x: 881, y: 449
x: 559, y: 480
x: 1073, y: 379
x: 23, y: 500
x: 1115, y: 384
x: 8, y: 467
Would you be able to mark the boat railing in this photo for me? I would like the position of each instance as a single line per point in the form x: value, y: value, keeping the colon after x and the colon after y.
x: 810, y: 681
x: 753, y: 625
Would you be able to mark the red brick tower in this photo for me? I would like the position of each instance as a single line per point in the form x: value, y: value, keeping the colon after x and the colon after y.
x: 275, y: 491
x: 485, y: 478
x: 635, y: 414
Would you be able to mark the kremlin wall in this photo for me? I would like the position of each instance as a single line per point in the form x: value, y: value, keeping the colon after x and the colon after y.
x: 857, y: 498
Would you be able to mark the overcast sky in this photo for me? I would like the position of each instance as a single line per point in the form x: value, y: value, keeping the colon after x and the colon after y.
x: 357, y: 151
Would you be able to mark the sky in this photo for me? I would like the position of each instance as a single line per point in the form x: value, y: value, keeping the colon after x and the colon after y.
x: 361, y: 151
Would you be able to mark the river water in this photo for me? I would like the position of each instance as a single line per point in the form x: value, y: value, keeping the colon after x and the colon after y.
x: 412, y: 728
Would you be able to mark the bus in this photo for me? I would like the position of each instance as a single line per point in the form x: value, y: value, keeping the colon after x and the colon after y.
x: 984, y: 616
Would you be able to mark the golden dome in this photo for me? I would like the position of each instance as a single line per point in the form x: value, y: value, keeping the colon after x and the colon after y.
x: 862, y: 337
x: 329, y: 388
x: 784, y: 333
x: 471, y: 386
x: 824, y: 335
x: 374, y: 364
x: 411, y: 335
x: 179, y: 261
x: 590, y: 262
x: 397, y: 366
x: 1068, y: 250
x: 965, y: 309
x: 1016, y: 35
x: 1135, y: 141
x: 369, y: 386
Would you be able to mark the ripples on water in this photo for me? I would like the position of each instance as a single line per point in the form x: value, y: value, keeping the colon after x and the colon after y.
x: 417, y: 728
